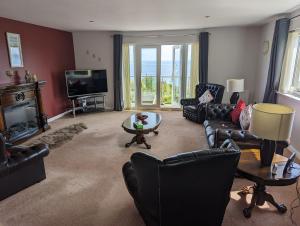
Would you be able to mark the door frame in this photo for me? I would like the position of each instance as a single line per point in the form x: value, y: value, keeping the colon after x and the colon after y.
x: 138, y: 67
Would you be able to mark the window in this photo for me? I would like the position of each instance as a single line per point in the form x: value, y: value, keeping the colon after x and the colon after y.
x: 296, y: 75
x: 188, y: 92
x: 132, y: 75
x: 168, y: 67
x: 290, y: 76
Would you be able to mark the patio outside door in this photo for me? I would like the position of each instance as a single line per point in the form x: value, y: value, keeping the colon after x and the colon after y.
x: 148, y: 76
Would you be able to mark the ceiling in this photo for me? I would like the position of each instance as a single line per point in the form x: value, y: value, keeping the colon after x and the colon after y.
x: 141, y: 15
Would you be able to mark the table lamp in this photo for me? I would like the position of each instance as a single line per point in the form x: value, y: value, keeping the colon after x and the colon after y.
x: 235, y: 86
x: 271, y: 122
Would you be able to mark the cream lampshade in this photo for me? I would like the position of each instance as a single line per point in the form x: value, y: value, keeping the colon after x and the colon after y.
x: 235, y: 85
x: 271, y: 122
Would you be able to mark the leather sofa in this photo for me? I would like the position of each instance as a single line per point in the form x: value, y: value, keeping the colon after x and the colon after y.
x: 187, y: 189
x: 20, y: 167
x: 195, y: 111
x: 219, y: 127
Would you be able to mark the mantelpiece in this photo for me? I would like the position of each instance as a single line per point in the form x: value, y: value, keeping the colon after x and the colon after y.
x: 22, y: 114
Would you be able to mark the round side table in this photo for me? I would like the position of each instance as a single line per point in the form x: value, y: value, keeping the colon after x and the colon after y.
x: 249, y: 167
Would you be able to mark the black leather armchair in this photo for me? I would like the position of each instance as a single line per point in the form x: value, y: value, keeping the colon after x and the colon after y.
x: 20, y: 167
x: 195, y: 111
x: 187, y: 189
x: 219, y: 127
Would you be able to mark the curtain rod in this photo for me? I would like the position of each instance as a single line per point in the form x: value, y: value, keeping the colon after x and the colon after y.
x: 294, y: 17
x: 161, y: 35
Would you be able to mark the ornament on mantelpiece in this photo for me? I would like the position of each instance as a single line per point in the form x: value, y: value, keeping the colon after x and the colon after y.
x: 34, y: 78
x: 14, y: 76
x: 29, y: 77
x: 10, y: 73
x: 17, y: 78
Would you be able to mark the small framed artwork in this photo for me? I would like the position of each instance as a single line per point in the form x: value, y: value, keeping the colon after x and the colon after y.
x: 14, y: 50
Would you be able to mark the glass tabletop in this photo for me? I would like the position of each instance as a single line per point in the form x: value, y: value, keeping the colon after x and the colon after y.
x: 152, y: 121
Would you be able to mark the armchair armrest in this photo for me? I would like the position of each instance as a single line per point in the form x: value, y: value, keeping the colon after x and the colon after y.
x: 189, y: 101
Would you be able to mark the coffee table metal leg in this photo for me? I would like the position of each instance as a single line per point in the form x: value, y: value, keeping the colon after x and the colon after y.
x: 156, y: 132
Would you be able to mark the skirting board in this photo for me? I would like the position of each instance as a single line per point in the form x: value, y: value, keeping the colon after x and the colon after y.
x: 59, y: 116
x: 67, y: 112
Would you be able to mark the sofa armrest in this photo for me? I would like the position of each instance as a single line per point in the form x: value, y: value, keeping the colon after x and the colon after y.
x: 40, y: 150
x: 228, y: 146
x: 189, y: 101
x: 219, y: 111
x: 243, y: 138
x: 280, y: 146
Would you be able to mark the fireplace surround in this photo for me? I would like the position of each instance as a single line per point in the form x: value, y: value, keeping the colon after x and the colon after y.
x: 22, y: 114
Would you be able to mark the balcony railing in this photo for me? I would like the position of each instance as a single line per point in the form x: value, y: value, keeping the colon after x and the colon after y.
x: 170, y: 90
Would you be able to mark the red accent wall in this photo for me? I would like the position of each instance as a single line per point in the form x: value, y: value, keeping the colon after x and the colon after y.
x: 46, y: 52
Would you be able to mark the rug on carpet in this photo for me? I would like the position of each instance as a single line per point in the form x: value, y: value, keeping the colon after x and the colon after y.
x: 61, y: 136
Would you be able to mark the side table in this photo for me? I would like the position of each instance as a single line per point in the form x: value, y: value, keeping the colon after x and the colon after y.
x: 249, y: 167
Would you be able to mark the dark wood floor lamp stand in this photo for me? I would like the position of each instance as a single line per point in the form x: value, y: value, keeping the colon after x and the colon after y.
x: 234, y: 97
x: 267, y: 151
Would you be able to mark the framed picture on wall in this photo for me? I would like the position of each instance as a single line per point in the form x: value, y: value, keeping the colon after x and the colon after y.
x: 14, y: 49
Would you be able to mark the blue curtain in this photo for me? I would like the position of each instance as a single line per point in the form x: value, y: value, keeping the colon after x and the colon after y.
x: 203, y: 57
x: 118, y: 91
x: 276, y: 59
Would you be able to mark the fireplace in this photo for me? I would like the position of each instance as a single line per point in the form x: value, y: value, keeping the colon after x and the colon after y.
x: 22, y: 111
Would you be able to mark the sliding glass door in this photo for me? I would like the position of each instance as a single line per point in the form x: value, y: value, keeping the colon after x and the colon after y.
x: 161, y: 75
x: 148, y: 76
x: 171, y: 76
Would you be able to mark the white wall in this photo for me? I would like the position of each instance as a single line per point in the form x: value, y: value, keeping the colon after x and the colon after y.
x: 266, y: 35
x: 233, y: 54
x: 294, y: 103
x: 94, y: 50
x: 267, y: 32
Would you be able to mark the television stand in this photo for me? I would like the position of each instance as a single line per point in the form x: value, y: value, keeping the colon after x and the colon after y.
x: 89, y: 103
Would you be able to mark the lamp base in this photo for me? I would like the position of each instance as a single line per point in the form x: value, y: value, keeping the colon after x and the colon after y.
x: 267, y: 151
x: 234, y: 98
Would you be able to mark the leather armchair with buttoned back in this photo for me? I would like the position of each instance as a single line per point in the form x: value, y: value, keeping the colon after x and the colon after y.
x: 187, y: 189
x: 195, y: 111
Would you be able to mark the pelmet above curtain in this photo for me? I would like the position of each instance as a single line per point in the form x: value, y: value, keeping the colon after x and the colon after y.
x: 126, y: 76
x: 194, y: 68
x: 288, y: 67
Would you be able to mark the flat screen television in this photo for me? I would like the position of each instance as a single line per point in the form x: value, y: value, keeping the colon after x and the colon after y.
x: 85, y: 82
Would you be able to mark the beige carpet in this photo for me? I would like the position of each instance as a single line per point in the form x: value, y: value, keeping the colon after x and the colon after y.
x: 84, y: 184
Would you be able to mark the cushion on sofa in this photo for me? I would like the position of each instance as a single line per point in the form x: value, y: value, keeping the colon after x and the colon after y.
x: 235, y: 114
x: 211, y: 127
x: 245, y: 117
x: 206, y: 97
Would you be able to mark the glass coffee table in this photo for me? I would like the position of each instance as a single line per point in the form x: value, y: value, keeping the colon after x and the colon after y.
x: 151, y: 124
